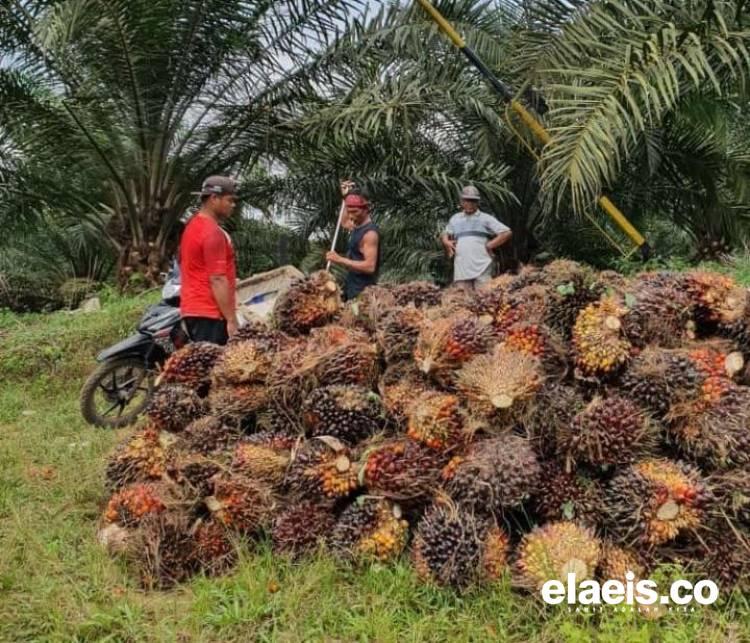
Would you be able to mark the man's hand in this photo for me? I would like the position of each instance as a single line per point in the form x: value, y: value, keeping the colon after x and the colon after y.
x: 450, y: 247
x: 346, y: 187
x: 334, y: 257
x: 489, y: 248
x: 232, y: 327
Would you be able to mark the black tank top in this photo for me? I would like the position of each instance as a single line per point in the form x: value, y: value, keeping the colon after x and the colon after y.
x: 356, y: 282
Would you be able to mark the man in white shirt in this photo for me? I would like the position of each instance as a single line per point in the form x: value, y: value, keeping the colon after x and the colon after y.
x: 471, y: 237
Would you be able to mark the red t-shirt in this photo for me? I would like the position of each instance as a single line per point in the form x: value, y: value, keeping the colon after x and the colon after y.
x: 205, y: 250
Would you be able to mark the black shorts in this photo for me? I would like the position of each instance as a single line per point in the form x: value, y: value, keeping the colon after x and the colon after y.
x: 203, y: 329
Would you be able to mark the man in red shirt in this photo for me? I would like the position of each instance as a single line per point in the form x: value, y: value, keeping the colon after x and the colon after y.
x: 207, y: 268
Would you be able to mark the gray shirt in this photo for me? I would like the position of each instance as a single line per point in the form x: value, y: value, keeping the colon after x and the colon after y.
x: 472, y: 232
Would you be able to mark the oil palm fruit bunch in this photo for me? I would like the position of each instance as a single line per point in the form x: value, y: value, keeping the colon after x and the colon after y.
x: 397, y: 332
x: 420, y: 294
x: 263, y: 457
x: 139, y: 459
x: 435, y: 419
x: 214, y: 549
x: 542, y: 343
x: 501, y: 384
x: 717, y: 368
x: 487, y: 303
x: 731, y: 487
x: 658, y: 378
x: 301, y: 528
x: 567, y: 495
x: 456, y: 548
x: 163, y: 550
x: 174, y: 406
x: 553, y: 551
x: 349, y: 413
x: 599, y: 344
x: 531, y: 304
x: 615, y: 562
x: 402, y: 470
x: 241, y: 504
x: 191, y: 365
x: 256, y: 329
x: 555, y: 407
x: 322, y: 468
x: 372, y: 303
x: 232, y: 402
x: 399, y: 386
x: 659, y: 313
x: 609, y: 431
x: 208, y: 435
x: 572, y: 287
x: 308, y: 303
x: 131, y: 504
x: 718, y: 299
x: 496, y: 474
x: 445, y: 344
x: 653, y: 501
x: 272, y: 420
x: 247, y: 362
x: 717, y: 436
x: 370, y: 529
x: 193, y: 471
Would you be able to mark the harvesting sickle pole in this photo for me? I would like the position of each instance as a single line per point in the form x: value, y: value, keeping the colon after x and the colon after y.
x: 529, y: 120
x: 342, y: 211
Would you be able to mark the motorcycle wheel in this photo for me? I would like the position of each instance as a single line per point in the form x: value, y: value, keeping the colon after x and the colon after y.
x: 116, y: 393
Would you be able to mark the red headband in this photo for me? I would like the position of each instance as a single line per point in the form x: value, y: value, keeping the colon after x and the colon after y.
x: 356, y: 201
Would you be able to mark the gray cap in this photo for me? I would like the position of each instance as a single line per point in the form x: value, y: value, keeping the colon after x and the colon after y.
x: 470, y: 193
x: 219, y: 185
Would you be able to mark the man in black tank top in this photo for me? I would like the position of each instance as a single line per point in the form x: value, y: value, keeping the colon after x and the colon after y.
x: 362, y: 259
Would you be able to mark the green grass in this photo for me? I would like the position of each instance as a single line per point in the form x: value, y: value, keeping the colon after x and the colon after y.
x: 56, y: 584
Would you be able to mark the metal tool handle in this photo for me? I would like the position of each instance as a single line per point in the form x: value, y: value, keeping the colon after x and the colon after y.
x: 342, y: 210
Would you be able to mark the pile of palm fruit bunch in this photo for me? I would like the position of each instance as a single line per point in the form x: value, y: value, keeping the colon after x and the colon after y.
x: 557, y: 420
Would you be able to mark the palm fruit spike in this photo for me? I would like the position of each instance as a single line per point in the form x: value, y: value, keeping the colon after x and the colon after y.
x: 556, y: 406
x: 191, y: 365
x: 247, y: 362
x: 653, y: 501
x: 572, y: 287
x: 214, y: 549
x: 298, y: 371
x: 568, y: 496
x: 402, y: 470
x: 263, y: 457
x: 659, y: 313
x: 598, y: 340
x: 232, y: 402
x: 397, y: 332
x: 255, y: 329
x: 240, y: 503
x: 495, y: 553
x: 131, y: 504
x: 717, y: 436
x: 307, y: 304
x: 369, y: 529
x: 420, y: 294
x: 301, y: 528
x: 139, y: 459
x: 449, y: 547
x: 174, y: 406
x: 209, y: 435
x: 717, y: 298
x: 435, y: 419
x: 348, y: 413
x: 399, y: 386
x: 322, y: 468
x: 609, y: 431
x: 501, y: 384
x: 445, y: 344
x: 499, y: 473
x: 553, y: 551
x: 658, y: 378
x: 164, y: 551
x: 615, y: 562
x: 732, y: 491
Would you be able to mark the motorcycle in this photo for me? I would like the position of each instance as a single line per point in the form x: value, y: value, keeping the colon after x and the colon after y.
x: 119, y: 390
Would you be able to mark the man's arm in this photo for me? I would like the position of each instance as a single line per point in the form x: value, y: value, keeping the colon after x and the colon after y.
x: 214, y: 255
x: 369, y: 248
x: 502, y: 233
x: 499, y: 240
